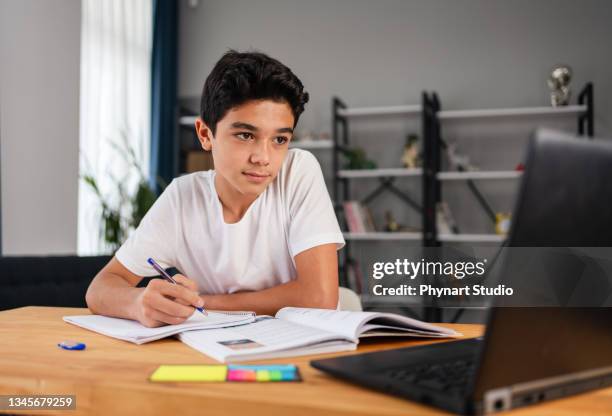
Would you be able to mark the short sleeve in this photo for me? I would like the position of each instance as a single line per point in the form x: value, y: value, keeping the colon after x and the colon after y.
x: 313, y: 221
x: 155, y: 237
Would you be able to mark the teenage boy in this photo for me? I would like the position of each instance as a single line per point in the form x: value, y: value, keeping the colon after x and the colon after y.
x: 256, y: 233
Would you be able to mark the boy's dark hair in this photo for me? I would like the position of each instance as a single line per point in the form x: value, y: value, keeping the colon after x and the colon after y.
x: 242, y: 76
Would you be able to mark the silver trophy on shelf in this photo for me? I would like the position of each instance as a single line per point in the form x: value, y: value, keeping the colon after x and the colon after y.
x: 558, y: 82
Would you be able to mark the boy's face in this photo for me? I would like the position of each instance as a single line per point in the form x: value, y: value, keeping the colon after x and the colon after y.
x: 250, y: 145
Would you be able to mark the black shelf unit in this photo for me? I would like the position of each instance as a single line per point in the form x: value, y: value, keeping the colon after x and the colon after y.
x: 433, y: 146
x: 386, y: 177
x: 431, y: 173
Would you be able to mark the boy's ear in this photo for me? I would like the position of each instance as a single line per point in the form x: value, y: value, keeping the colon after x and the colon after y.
x: 204, y: 134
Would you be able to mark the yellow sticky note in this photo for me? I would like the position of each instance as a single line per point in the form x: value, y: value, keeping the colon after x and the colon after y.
x: 165, y: 373
x: 263, y: 375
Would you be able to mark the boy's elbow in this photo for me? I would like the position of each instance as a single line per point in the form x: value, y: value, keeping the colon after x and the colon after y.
x: 90, y: 297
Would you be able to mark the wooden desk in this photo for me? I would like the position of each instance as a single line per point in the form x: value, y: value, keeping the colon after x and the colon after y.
x: 110, y: 377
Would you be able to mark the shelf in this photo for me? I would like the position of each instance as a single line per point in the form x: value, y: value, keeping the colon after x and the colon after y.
x: 379, y: 173
x: 380, y: 111
x: 463, y: 176
x: 512, y: 112
x: 187, y: 120
x: 378, y: 236
x: 472, y: 238
x: 312, y: 144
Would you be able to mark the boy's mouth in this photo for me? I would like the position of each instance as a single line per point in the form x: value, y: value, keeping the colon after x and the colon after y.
x: 255, y: 176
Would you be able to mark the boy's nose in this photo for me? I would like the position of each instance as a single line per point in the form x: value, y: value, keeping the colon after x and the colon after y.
x: 261, y: 154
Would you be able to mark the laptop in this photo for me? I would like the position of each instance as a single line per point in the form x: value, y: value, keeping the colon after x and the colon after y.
x: 527, y: 354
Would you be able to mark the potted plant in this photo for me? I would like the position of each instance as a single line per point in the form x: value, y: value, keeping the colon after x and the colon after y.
x: 119, y: 218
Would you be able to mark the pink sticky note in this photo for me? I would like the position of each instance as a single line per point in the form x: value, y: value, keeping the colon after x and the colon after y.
x: 241, y: 375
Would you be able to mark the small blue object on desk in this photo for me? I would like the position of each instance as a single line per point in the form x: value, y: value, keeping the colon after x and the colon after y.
x: 71, y: 345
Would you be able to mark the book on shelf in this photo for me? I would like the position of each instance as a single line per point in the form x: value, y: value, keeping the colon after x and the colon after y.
x: 358, y: 217
x: 350, y: 215
x: 370, y: 226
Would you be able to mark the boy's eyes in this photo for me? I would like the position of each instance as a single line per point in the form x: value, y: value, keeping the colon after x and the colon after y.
x: 244, y: 136
x: 248, y: 136
x: 281, y: 140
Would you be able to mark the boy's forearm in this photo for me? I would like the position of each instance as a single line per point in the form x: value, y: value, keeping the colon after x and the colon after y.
x: 269, y: 301
x: 111, y: 295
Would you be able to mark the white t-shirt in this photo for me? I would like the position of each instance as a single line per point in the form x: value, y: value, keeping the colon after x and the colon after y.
x: 185, y: 229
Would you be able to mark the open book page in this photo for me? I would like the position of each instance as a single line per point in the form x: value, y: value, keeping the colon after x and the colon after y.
x: 391, y: 323
x: 339, y: 322
x: 137, y: 333
x: 352, y: 324
x: 266, y: 337
x: 395, y: 331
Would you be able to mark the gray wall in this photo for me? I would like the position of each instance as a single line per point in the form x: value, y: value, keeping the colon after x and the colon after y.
x: 475, y: 54
x: 39, y: 125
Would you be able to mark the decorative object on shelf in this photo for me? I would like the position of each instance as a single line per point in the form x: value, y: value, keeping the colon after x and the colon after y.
x: 357, y: 159
x: 310, y: 136
x: 502, y: 223
x: 520, y: 167
x: 390, y: 224
x: 558, y: 82
x: 456, y: 160
x: 370, y: 226
x: 324, y: 136
x: 445, y: 219
x: 118, y: 218
x: 411, y: 157
x: 306, y: 136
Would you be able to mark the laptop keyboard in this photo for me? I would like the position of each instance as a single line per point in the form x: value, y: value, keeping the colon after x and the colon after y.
x: 450, y: 377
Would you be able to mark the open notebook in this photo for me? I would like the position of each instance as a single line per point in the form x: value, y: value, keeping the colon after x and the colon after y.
x: 304, y: 331
x: 239, y: 336
x: 137, y: 333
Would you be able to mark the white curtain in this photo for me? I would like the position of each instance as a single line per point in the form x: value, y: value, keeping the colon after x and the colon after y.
x: 116, y: 37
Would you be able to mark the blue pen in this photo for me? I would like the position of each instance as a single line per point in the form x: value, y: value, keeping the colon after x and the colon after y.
x: 169, y: 278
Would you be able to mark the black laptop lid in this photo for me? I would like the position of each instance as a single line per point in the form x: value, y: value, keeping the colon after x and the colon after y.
x: 565, y: 200
x: 566, y: 194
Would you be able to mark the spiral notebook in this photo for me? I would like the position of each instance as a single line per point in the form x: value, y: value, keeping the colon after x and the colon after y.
x: 137, y: 333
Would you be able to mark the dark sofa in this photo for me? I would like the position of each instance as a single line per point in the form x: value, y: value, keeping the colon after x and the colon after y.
x: 47, y: 281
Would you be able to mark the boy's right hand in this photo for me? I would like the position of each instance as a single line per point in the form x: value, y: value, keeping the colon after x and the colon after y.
x: 163, y: 303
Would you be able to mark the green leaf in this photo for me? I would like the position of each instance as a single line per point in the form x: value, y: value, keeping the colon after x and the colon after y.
x: 143, y: 200
x: 91, y: 181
